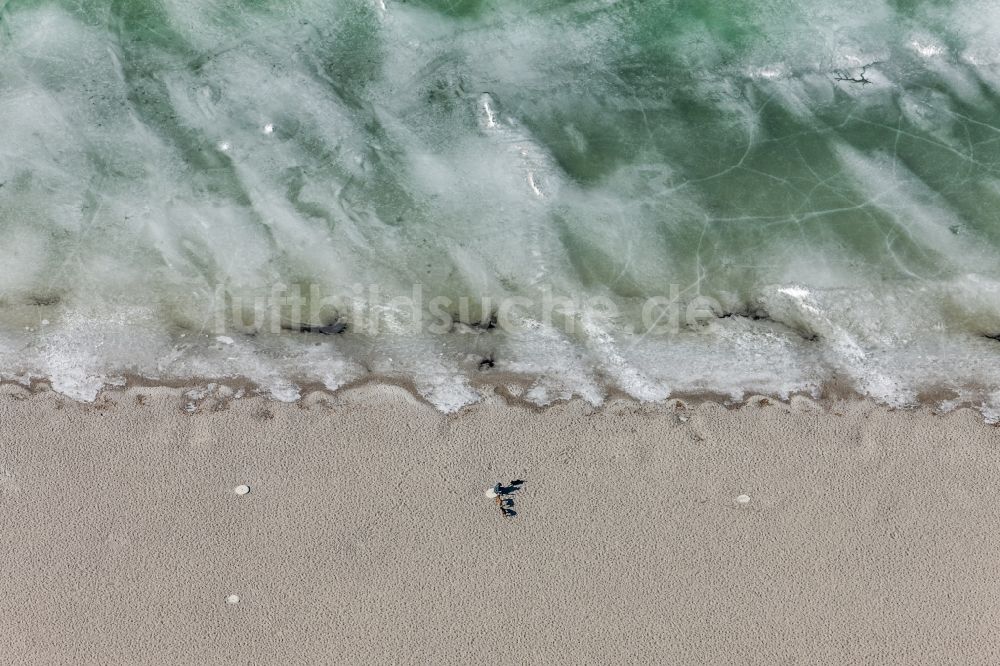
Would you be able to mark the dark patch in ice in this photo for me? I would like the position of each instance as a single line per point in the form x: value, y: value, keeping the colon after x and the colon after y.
x: 336, y: 328
x: 44, y: 299
x: 484, y: 324
x: 446, y: 91
x: 487, y: 363
x: 845, y: 75
x: 746, y: 313
x: 759, y: 314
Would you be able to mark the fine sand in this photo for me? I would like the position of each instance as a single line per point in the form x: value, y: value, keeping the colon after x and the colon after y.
x: 870, y: 535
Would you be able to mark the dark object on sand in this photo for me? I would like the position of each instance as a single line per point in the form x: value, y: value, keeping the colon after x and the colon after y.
x: 504, y: 496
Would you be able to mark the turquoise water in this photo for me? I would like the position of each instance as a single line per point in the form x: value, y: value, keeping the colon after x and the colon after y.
x: 811, y: 192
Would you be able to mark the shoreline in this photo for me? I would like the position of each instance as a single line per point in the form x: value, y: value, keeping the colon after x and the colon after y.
x: 798, y: 532
x: 510, y: 388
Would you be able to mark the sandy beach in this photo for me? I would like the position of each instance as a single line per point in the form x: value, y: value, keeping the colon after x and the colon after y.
x: 869, y: 535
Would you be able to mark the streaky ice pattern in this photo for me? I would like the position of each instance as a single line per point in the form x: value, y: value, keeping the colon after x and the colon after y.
x: 829, y: 174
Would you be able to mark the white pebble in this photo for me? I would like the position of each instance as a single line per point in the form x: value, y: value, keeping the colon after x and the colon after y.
x: 233, y: 599
x: 224, y: 146
x: 225, y: 339
x: 243, y: 490
x: 743, y: 499
x: 269, y: 128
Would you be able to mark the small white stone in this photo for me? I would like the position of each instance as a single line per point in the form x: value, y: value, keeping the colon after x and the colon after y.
x: 743, y: 499
x: 45, y: 322
x: 233, y: 599
x: 224, y: 339
x: 243, y: 490
x: 269, y: 128
x: 224, y: 146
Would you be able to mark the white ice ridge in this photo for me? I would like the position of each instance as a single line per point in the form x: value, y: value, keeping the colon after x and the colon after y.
x: 488, y: 116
